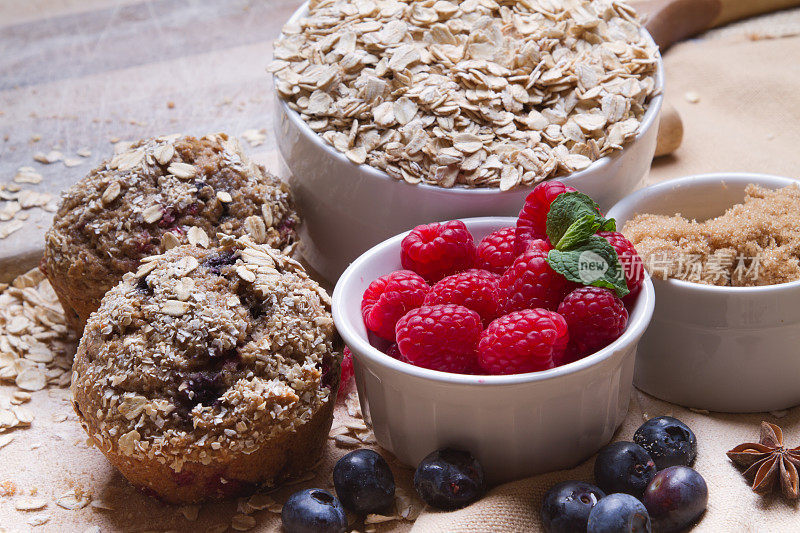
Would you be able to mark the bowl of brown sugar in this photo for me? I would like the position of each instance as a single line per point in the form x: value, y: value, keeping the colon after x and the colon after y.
x: 724, y: 254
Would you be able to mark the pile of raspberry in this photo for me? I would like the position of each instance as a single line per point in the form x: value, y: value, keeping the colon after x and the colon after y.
x: 498, y: 307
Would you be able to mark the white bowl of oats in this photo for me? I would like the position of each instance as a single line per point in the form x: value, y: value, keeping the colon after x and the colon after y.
x: 724, y: 254
x: 398, y: 114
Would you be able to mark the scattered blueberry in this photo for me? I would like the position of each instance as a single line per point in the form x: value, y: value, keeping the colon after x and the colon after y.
x: 618, y: 513
x: 676, y: 498
x: 669, y: 441
x: 567, y: 505
x: 624, y: 467
x: 364, y: 482
x: 313, y: 511
x: 449, y: 479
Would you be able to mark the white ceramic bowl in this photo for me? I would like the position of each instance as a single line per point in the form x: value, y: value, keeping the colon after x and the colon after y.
x: 347, y: 208
x: 516, y: 425
x: 731, y: 349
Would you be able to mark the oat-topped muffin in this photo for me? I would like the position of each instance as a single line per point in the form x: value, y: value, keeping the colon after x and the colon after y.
x: 208, y: 372
x: 156, y: 195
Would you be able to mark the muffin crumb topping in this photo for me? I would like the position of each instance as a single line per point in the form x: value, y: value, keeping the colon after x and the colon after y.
x: 202, y: 353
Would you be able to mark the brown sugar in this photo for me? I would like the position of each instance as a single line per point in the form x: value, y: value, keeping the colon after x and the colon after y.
x: 754, y: 243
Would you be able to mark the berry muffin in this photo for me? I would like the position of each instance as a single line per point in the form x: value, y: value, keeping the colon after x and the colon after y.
x: 208, y: 372
x: 158, y: 194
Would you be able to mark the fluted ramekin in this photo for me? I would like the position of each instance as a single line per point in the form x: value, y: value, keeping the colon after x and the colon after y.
x: 516, y: 425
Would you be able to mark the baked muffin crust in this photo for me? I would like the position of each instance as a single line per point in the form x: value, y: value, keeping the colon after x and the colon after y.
x: 156, y: 195
x: 204, y: 359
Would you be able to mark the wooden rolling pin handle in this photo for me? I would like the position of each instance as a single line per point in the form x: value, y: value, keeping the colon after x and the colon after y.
x: 670, y: 21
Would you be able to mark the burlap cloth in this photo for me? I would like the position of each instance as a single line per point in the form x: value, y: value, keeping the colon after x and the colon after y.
x: 747, y: 119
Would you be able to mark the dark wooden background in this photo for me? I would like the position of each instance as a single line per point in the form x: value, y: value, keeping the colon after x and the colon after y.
x: 81, y: 74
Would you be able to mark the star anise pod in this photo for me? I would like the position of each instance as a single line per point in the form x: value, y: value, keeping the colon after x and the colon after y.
x: 768, y: 460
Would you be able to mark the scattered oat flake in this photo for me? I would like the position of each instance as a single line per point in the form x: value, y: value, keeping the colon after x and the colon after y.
x: 692, y: 97
x: 5, y: 440
x: 8, y: 210
x: 243, y: 522
x: 379, y: 519
x: 190, y: 512
x: 27, y: 175
x: 72, y: 500
x: 38, y: 520
x: 84, y: 152
x: 28, y: 198
x: 29, y: 503
x: 31, y: 379
x: 346, y: 441
x: 254, y: 137
x: 259, y: 502
x: 71, y: 162
x: 48, y: 158
x: 101, y: 504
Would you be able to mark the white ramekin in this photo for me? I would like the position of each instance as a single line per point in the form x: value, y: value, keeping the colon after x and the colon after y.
x: 346, y: 208
x: 516, y: 425
x: 731, y: 349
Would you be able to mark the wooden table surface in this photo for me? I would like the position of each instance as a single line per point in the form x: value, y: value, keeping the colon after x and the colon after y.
x: 80, y: 74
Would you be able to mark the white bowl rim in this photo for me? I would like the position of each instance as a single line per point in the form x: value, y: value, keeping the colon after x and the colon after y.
x: 650, y: 115
x: 639, y: 321
x: 687, y: 182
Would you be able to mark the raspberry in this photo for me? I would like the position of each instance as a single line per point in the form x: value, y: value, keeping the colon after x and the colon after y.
x: 440, y: 337
x: 523, y: 341
x: 347, y: 374
x: 631, y: 262
x: 541, y: 245
x: 595, y: 316
x: 496, y: 251
x: 394, y: 353
x: 474, y: 289
x: 530, y: 283
x: 571, y: 354
x: 532, y: 221
x: 437, y: 250
x: 390, y: 297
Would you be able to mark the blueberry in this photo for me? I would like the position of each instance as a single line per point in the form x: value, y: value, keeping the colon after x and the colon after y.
x: 669, y: 441
x: 567, y: 505
x: 676, y: 498
x: 364, y: 482
x: 203, y: 387
x: 449, y: 479
x: 624, y: 467
x: 313, y: 511
x: 216, y: 261
x: 143, y: 287
x: 618, y: 513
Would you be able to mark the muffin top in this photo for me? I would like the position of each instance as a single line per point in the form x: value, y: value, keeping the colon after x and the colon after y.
x: 161, y: 193
x: 205, y: 352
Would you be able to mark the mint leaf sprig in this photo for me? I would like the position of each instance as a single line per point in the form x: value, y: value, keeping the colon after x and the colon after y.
x: 578, y: 254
